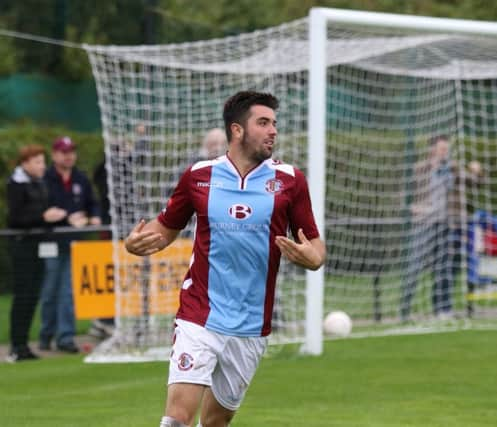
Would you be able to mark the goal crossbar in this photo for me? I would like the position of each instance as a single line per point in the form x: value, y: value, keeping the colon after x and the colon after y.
x: 395, y: 20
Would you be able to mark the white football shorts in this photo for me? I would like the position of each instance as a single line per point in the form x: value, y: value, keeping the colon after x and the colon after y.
x: 224, y: 363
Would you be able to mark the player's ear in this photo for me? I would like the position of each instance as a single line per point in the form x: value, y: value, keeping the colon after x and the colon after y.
x: 236, y: 130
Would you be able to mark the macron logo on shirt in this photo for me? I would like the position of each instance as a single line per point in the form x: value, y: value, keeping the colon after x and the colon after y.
x: 210, y: 184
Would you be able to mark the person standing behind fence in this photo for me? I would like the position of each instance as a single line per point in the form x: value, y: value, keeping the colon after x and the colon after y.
x: 462, y: 198
x: 70, y: 189
x: 27, y: 206
x: 429, y: 240
x: 102, y: 328
x: 214, y: 144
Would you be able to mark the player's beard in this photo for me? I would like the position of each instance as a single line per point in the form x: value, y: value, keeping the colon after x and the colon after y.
x: 256, y: 153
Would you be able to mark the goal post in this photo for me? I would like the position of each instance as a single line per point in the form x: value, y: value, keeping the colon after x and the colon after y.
x: 316, y: 147
x: 362, y: 94
x: 319, y: 19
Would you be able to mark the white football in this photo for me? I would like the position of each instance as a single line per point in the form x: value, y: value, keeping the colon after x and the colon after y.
x: 337, y: 323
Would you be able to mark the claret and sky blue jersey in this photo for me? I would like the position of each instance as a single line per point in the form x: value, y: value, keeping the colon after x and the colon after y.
x: 229, y: 287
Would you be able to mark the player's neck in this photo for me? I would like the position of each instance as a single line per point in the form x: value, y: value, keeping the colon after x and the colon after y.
x: 242, y: 163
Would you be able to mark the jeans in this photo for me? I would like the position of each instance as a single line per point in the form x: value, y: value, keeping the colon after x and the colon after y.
x: 57, y: 306
x: 428, y: 248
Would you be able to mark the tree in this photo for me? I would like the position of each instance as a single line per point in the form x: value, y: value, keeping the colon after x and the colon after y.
x: 8, y: 61
x: 169, y: 21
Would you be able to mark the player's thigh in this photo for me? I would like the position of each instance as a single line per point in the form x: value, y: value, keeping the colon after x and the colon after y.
x: 236, y: 366
x: 183, y: 401
x: 212, y: 413
x: 192, y: 361
x: 194, y: 355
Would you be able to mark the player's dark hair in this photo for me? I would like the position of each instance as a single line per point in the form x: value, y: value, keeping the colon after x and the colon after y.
x: 237, y: 107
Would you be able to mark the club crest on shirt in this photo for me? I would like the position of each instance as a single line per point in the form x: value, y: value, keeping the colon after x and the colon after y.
x: 240, y: 211
x: 185, y: 362
x: 273, y: 186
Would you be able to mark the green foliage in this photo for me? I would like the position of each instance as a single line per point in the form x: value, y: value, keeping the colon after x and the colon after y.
x: 117, y: 22
x: 74, y: 62
x: 8, y: 58
x: 135, y: 22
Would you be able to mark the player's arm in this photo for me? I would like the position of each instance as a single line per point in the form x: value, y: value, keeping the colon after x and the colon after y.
x: 307, y: 253
x: 149, y: 238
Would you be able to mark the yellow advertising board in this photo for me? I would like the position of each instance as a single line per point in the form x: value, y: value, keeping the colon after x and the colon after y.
x: 105, y: 282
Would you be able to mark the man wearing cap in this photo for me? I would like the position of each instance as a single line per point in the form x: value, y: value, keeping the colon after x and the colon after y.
x: 69, y: 189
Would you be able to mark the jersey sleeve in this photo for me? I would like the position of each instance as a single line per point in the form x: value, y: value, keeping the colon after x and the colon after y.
x: 301, y: 215
x: 179, y: 207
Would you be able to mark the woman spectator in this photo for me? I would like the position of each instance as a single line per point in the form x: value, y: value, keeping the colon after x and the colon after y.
x: 27, y: 204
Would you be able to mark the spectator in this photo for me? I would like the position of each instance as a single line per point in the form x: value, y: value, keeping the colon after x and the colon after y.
x: 100, y: 181
x: 429, y: 241
x: 68, y: 189
x: 128, y: 160
x: 214, y: 144
x: 27, y: 205
x: 466, y: 183
x: 103, y: 327
x: 136, y: 173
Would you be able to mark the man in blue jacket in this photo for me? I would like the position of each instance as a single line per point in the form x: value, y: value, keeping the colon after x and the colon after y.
x: 68, y: 189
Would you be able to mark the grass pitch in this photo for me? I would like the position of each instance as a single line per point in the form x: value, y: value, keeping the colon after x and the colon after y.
x: 436, y: 380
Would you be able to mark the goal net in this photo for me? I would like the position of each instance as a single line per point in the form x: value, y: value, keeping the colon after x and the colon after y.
x: 408, y: 230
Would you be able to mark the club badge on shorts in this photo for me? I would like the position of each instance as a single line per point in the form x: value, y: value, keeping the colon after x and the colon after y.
x: 185, y: 362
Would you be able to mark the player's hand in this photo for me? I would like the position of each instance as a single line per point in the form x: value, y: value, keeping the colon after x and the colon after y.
x: 306, y: 253
x: 143, y: 243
